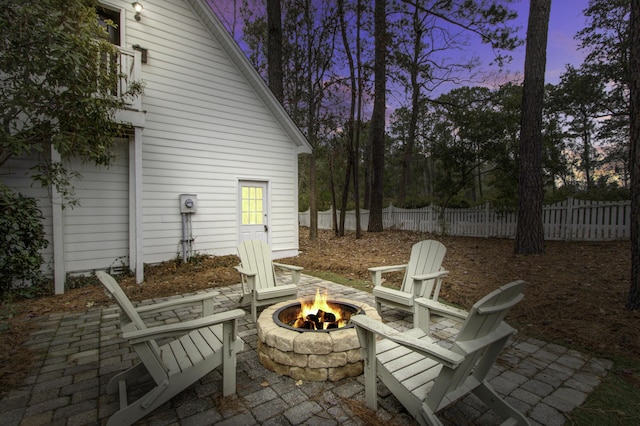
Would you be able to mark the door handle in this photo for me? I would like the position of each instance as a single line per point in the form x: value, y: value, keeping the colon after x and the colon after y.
x: 266, y: 228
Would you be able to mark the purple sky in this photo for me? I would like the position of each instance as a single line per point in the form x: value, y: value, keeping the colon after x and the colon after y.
x: 566, y: 19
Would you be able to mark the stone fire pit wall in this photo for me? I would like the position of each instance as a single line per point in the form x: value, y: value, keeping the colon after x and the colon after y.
x: 310, y: 356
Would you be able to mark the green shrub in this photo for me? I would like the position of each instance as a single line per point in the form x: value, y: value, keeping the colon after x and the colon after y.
x: 21, y: 239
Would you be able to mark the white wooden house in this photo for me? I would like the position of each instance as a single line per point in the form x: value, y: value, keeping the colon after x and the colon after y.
x: 207, y: 129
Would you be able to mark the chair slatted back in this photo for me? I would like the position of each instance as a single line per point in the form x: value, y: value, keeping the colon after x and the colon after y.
x: 130, y: 320
x: 481, y: 339
x: 256, y: 256
x: 426, y: 257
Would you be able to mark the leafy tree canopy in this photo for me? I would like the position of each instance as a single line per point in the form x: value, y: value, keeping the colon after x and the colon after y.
x: 59, y: 84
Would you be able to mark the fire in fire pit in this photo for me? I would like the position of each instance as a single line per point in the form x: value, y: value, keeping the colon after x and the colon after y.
x: 306, y: 354
x: 319, y: 314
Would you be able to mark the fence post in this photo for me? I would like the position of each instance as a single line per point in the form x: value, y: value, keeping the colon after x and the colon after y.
x: 487, y: 225
x: 568, y: 228
x: 388, y: 216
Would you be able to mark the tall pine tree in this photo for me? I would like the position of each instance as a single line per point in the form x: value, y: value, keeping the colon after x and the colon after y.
x: 529, y: 234
x: 378, y: 117
x: 633, y: 302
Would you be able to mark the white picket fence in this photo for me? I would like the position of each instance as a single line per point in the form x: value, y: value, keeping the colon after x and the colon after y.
x: 568, y: 220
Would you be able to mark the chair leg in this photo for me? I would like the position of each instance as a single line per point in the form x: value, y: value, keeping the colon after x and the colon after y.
x: 144, y: 405
x: 229, y: 348
x: 379, y: 308
x: 132, y: 374
x: 426, y: 417
x: 416, y: 322
x: 493, y: 400
x: 368, y: 342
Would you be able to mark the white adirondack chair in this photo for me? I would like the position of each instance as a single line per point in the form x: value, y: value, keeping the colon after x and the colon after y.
x: 423, y: 277
x: 426, y: 377
x: 199, y: 346
x: 258, y: 274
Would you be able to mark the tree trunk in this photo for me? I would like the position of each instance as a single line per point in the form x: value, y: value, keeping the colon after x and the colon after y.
x: 368, y: 171
x: 378, y: 118
x: 311, y: 128
x: 313, y: 199
x: 345, y: 192
x: 350, y: 134
x: 408, y: 152
x: 334, y: 197
x: 274, y: 48
x: 530, y: 233
x: 356, y: 136
x: 634, y: 156
x: 586, y: 153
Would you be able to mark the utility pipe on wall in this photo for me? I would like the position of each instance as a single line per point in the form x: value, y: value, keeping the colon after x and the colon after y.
x: 188, y: 205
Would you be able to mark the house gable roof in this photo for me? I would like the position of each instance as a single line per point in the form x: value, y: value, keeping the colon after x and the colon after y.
x: 213, y: 24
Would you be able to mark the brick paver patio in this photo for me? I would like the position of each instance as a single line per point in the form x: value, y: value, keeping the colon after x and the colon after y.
x: 77, y: 354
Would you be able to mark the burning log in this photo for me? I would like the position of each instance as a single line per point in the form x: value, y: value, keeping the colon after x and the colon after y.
x: 318, y: 314
x: 319, y: 321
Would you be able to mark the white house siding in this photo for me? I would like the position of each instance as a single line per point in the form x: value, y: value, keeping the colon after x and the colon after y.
x: 205, y: 130
x: 16, y: 175
x: 96, y: 233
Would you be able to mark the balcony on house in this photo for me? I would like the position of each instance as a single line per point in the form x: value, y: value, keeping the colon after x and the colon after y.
x: 129, y: 68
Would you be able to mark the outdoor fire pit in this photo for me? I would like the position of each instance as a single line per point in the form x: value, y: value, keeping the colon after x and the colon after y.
x: 312, y: 340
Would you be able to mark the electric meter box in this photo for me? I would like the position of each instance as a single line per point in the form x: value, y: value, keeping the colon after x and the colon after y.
x: 188, y: 203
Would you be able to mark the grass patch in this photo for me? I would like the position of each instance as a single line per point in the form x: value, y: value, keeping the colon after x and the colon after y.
x: 615, y: 401
x: 340, y: 279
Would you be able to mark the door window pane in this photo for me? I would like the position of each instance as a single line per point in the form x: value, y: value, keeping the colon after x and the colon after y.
x: 252, y: 213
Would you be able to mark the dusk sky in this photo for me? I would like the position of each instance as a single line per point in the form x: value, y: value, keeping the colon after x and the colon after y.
x: 566, y: 19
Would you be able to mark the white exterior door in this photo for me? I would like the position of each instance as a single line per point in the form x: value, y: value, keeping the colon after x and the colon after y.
x: 253, y: 209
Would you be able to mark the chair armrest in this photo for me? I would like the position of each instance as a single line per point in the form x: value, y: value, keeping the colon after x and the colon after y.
x: 295, y: 271
x: 429, y: 349
x: 431, y: 288
x: 289, y: 267
x: 376, y: 272
x: 504, y: 306
x: 245, y: 272
x: 442, y: 308
x: 248, y: 280
x: 430, y: 276
x: 501, y: 334
x: 425, y: 307
x: 169, y: 330
x: 176, y: 303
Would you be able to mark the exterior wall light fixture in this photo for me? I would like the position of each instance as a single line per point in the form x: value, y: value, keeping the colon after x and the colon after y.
x: 137, y: 6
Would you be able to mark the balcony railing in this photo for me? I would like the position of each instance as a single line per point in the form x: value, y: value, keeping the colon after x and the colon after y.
x: 129, y: 67
x: 126, y: 66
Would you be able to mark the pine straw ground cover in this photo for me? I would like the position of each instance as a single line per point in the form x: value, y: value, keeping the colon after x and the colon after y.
x: 575, y: 295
